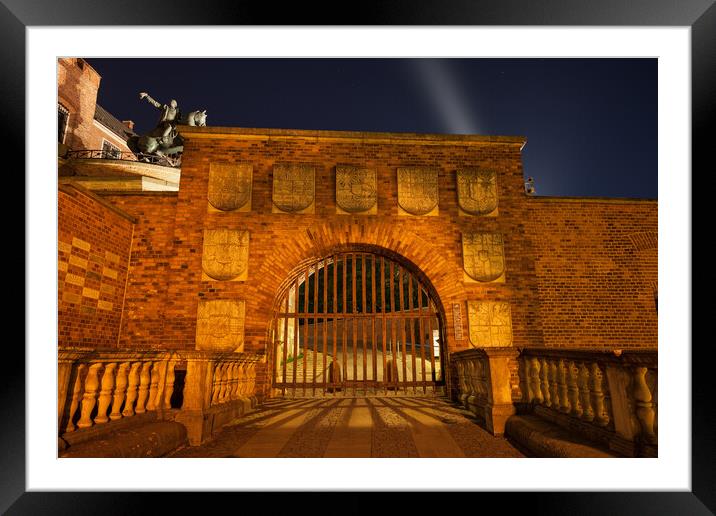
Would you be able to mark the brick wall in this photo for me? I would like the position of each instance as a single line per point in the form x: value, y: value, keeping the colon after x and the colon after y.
x: 578, y: 273
x: 77, y: 91
x: 93, y: 254
x: 77, y: 86
x: 596, y: 264
x: 152, y: 250
x: 280, y: 243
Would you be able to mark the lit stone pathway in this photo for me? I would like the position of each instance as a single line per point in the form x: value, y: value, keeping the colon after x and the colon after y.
x: 391, y: 426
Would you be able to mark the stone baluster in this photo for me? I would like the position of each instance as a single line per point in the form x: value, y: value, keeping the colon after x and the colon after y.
x: 242, y: 379
x: 471, y: 381
x: 144, y: 379
x: 552, y: 380
x: 601, y: 417
x: 169, y: 386
x: 584, y: 395
x: 251, y: 373
x: 154, y: 385
x: 252, y: 380
x: 120, y: 391
x: 544, y: 383
x: 161, y: 384
x: 105, y: 395
x: 224, y: 381
x: 462, y: 395
x: 479, y: 378
x: 132, y: 386
x: 523, y: 379
x: 573, y: 389
x: 562, y: 387
x: 89, y: 398
x: 234, y: 394
x: 229, y: 381
x: 216, y: 384
x: 535, y: 388
x: 76, y: 393
x: 644, y: 406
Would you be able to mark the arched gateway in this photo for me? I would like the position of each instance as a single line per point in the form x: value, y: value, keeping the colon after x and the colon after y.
x: 357, y: 322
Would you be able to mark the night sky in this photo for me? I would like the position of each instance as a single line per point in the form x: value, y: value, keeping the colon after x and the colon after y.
x: 591, y: 124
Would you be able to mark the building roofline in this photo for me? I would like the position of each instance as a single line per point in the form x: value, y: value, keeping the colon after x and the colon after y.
x: 364, y: 136
x: 613, y: 200
x: 112, y: 123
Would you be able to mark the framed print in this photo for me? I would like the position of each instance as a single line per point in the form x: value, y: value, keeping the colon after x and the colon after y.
x: 38, y: 33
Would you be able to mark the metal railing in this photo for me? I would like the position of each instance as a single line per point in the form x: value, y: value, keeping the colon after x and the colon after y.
x: 154, y: 159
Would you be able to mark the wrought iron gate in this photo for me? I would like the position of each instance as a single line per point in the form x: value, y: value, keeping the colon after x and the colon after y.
x: 356, y: 324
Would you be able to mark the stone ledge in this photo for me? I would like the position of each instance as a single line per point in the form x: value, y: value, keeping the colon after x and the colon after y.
x: 540, y: 438
x: 247, y: 133
x: 154, y: 439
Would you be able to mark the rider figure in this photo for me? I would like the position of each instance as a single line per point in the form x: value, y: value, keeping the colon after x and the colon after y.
x: 166, y: 128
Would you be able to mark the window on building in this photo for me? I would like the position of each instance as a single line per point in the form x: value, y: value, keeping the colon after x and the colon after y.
x: 110, y: 151
x: 63, y: 115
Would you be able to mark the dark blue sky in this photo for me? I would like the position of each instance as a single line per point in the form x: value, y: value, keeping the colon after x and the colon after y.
x: 591, y: 124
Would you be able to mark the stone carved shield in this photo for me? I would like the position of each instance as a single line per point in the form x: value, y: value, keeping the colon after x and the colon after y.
x: 293, y: 186
x: 220, y: 325
x: 483, y: 256
x: 477, y: 190
x: 355, y: 188
x: 490, y: 323
x: 229, y: 185
x: 226, y: 253
x: 418, y: 189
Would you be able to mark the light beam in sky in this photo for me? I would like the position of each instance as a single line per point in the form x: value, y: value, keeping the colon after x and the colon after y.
x: 447, y: 95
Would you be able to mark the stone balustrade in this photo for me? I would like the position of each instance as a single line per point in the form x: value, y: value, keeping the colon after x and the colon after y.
x: 483, y: 383
x: 233, y: 379
x: 606, y: 396
x: 610, y: 396
x: 99, y: 386
x: 219, y: 386
x: 95, y: 386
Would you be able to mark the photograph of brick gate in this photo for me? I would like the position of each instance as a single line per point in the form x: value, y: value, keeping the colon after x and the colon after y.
x: 372, y: 294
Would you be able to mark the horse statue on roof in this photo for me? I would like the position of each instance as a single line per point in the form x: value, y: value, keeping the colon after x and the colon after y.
x: 163, y: 144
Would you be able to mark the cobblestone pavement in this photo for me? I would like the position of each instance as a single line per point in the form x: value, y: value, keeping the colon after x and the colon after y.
x: 390, y: 426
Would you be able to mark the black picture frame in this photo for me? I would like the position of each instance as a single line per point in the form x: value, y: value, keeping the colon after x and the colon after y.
x: 700, y: 15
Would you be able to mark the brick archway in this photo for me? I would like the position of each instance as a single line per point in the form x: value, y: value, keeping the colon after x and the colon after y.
x: 385, y: 238
x: 359, y: 319
x: 394, y: 241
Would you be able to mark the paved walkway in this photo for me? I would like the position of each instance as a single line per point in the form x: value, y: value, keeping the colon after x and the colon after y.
x: 354, y: 427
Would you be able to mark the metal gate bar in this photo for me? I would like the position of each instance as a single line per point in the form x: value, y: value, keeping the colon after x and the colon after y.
x: 382, y: 312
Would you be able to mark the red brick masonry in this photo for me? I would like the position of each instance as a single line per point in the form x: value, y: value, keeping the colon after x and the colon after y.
x: 579, y: 272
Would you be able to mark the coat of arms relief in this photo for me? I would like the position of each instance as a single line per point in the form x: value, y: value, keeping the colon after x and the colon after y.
x: 293, y: 188
x: 483, y: 257
x: 230, y: 186
x: 356, y: 190
x: 220, y: 325
x: 225, y: 255
x: 490, y: 323
x: 477, y: 191
x: 418, y: 191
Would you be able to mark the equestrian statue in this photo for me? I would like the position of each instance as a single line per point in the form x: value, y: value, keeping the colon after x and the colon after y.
x: 164, y: 144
